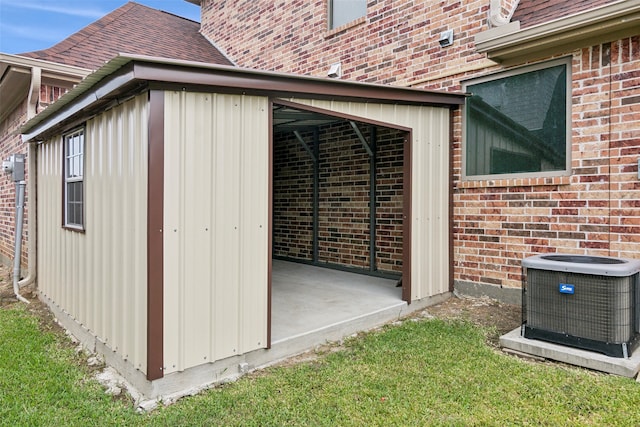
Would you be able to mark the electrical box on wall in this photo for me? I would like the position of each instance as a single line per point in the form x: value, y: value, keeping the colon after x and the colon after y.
x: 14, y: 165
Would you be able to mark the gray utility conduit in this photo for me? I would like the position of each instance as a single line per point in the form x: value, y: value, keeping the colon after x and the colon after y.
x: 14, y: 166
x: 20, y: 185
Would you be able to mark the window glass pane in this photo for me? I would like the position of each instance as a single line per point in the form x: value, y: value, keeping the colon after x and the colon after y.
x: 343, y: 11
x: 77, y: 149
x: 76, y: 166
x: 517, y: 123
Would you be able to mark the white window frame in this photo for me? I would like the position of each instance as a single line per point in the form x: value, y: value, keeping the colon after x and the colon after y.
x: 71, y: 155
x: 567, y: 61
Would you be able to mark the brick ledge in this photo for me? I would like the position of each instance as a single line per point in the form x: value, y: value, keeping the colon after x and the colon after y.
x: 515, y: 182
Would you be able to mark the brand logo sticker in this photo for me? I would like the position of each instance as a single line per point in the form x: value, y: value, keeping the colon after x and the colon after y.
x: 565, y: 288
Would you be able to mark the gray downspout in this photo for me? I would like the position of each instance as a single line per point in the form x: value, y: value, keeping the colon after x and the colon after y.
x: 32, y: 110
x: 32, y: 232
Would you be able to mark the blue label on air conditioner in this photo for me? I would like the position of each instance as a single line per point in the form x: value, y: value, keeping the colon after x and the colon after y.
x: 566, y: 289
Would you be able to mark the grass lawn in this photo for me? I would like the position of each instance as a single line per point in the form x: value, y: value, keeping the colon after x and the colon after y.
x: 427, y: 372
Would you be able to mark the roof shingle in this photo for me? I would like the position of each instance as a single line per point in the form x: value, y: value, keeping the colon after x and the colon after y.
x: 135, y: 29
x: 533, y: 12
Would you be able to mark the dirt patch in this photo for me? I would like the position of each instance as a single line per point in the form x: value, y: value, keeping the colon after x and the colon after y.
x: 485, y: 312
x: 35, y: 306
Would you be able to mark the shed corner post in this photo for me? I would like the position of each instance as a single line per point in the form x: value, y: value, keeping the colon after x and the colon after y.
x: 155, y: 223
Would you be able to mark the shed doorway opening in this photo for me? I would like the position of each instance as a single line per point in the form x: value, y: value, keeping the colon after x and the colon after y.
x: 338, y: 213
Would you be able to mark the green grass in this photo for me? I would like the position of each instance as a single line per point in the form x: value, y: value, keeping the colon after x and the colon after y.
x: 428, y: 372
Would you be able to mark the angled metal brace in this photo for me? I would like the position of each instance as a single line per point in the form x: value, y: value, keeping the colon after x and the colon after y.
x: 304, y: 145
x: 364, y: 142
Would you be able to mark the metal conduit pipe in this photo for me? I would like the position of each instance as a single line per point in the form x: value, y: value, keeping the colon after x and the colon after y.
x: 20, y: 185
x: 31, y: 204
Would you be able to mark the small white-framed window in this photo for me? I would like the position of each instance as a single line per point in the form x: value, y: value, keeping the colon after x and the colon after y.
x: 344, y: 11
x: 517, y: 123
x: 73, y: 210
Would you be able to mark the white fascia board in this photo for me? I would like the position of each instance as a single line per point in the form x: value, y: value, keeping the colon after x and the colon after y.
x: 616, y: 19
x: 46, y: 66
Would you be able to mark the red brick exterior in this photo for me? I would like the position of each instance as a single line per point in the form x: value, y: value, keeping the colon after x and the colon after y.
x: 497, y: 223
x: 343, y: 198
x: 11, y: 143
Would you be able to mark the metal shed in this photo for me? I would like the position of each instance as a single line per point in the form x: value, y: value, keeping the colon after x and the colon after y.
x: 171, y: 276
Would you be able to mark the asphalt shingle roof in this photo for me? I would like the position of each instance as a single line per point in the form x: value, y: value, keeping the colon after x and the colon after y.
x: 135, y: 29
x: 533, y: 12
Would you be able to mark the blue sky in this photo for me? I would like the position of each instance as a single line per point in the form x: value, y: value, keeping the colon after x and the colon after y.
x: 28, y: 25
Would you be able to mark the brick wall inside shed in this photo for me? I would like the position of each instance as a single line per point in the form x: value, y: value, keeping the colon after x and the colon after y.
x: 343, y: 231
x: 292, y: 197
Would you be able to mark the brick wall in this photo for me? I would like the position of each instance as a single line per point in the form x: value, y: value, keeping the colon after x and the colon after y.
x: 389, y: 193
x: 11, y: 143
x: 292, y: 197
x: 396, y: 43
x: 344, y: 185
x: 496, y: 223
x: 594, y: 211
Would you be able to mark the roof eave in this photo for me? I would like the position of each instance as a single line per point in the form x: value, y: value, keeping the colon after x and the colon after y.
x: 126, y: 71
x: 604, y: 24
x: 95, y: 88
x: 46, y: 66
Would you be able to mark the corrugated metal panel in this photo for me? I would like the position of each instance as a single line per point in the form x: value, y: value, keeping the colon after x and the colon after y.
x: 216, y: 227
x: 430, y: 185
x: 99, y: 276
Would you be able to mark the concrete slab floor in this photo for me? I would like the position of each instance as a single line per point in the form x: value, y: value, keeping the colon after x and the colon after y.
x: 307, y: 298
x: 574, y: 356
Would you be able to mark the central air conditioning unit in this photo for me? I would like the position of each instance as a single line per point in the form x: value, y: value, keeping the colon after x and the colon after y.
x: 588, y: 302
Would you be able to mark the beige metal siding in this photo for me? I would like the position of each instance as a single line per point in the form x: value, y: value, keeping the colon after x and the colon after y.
x: 430, y: 185
x: 216, y: 227
x: 99, y: 276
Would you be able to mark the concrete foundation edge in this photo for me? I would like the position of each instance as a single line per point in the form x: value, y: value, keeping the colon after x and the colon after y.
x: 147, y: 394
x: 478, y: 290
x: 573, y: 356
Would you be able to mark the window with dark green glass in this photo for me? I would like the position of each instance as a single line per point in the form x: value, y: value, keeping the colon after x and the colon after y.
x: 517, y: 122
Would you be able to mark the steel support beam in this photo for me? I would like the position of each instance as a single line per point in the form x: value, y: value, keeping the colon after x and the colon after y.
x: 373, y: 175
x: 316, y: 193
x: 361, y: 137
x: 304, y: 145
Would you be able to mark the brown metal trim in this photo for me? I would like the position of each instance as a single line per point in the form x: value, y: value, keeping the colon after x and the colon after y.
x: 407, y: 171
x: 451, y: 191
x: 345, y: 116
x: 126, y: 74
x: 155, y: 222
x: 285, y: 85
x: 270, y: 228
